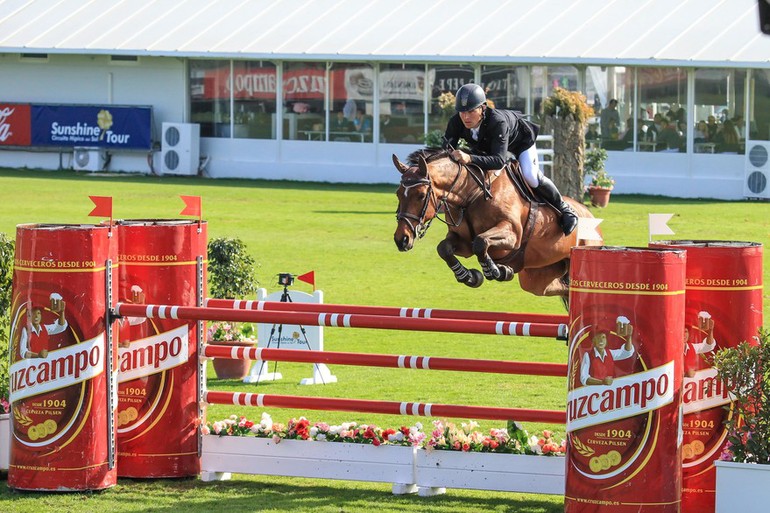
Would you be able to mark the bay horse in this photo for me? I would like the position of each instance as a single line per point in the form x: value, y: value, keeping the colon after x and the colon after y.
x: 489, y: 216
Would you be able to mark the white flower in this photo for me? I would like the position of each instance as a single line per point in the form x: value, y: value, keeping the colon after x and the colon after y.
x: 321, y: 437
x: 313, y: 432
x: 534, y: 446
x: 266, y: 422
x: 398, y: 436
x: 334, y: 430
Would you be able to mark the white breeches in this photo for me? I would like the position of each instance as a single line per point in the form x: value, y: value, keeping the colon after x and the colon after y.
x: 530, y: 168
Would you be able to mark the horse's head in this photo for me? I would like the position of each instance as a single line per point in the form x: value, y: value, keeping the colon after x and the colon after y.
x: 415, y: 208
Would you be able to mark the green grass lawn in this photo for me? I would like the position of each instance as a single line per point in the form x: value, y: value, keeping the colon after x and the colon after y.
x: 344, y: 233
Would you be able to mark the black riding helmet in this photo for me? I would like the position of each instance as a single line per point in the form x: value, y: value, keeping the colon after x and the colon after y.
x: 469, y: 97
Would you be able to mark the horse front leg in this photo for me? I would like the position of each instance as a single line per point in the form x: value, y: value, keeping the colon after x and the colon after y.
x: 501, y: 237
x: 447, y: 249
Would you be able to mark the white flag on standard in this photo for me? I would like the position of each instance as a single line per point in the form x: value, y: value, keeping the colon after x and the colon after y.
x: 659, y: 226
x: 586, y: 228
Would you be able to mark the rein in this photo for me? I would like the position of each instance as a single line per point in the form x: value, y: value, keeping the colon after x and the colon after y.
x: 440, y: 204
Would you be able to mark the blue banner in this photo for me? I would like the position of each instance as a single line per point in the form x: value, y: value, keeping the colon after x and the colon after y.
x: 107, y: 126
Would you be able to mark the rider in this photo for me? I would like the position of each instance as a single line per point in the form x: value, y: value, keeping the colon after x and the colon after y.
x: 497, y: 135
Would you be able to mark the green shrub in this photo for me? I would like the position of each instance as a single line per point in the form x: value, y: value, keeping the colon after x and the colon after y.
x: 231, y: 270
x: 6, y: 277
x: 745, y: 368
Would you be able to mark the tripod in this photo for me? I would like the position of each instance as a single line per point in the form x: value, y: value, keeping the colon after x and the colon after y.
x: 286, y: 298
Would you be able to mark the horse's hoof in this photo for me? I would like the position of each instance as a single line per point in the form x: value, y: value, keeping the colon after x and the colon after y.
x: 506, y: 273
x: 476, y: 279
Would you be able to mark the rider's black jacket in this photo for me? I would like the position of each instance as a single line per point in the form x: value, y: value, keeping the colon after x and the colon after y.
x: 502, y: 133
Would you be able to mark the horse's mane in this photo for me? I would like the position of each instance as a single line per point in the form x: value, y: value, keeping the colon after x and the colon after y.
x: 429, y: 154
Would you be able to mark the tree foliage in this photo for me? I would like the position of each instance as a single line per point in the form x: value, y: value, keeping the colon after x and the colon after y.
x: 567, y: 114
x: 231, y: 269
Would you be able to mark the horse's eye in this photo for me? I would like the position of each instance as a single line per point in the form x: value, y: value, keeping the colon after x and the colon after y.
x: 421, y: 196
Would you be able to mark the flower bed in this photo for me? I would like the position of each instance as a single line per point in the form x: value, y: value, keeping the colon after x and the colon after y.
x: 449, y: 456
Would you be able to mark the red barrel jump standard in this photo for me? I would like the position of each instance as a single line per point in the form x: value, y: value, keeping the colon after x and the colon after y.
x: 158, y: 358
x: 62, y: 409
x: 625, y: 380
x: 723, y: 307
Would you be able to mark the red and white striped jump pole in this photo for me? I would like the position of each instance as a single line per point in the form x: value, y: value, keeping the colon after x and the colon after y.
x: 344, y: 320
x: 386, y: 360
x: 428, y: 313
x: 385, y: 407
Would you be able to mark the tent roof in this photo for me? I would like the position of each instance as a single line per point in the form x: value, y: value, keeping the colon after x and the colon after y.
x: 629, y: 32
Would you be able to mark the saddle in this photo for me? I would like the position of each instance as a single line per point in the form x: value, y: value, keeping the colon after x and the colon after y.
x: 515, y: 259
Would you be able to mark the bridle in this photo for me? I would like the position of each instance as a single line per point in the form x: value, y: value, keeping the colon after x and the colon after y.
x: 439, y: 204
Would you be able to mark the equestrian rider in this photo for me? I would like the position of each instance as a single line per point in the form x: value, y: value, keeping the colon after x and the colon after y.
x: 497, y: 135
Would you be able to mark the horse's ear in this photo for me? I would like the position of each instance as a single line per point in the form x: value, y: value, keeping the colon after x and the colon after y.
x: 423, y: 165
x: 399, y: 165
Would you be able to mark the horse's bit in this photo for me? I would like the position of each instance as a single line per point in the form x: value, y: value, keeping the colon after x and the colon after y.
x: 422, y: 226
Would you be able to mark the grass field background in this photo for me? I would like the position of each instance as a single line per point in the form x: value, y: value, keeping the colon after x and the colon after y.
x: 344, y: 233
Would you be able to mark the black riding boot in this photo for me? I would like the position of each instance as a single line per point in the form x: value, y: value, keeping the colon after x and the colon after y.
x: 551, y: 194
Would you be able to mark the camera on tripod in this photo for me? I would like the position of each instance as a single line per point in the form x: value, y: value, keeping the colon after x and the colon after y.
x: 285, y: 279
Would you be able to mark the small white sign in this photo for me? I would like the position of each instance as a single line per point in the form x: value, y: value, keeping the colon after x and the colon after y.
x: 290, y: 336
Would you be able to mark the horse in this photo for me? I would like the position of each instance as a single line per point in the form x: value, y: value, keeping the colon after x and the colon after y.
x: 487, y: 215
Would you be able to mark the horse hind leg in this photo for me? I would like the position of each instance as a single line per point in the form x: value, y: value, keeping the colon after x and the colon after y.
x: 547, y: 281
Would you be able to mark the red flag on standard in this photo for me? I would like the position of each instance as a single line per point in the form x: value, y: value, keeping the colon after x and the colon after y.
x: 308, y: 277
x: 192, y: 206
x: 103, y: 206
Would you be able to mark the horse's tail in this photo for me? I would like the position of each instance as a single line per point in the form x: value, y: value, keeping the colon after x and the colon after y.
x: 564, y: 279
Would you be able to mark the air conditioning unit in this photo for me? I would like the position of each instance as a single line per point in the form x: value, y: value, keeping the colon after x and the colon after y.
x: 756, y: 182
x: 88, y: 159
x: 180, y: 149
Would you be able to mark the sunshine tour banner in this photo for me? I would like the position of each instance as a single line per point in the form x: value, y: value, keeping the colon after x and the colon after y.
x: 102, y: 126
x: 61, y: 408
x: 158, y: 358
x: 723, y: 307
x: 625, y: 380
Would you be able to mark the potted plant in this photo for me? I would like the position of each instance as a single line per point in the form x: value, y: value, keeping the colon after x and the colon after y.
x: 743, y: 472
x: 231, y: 334
x: 231, y: 275
x: 601, y: 183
